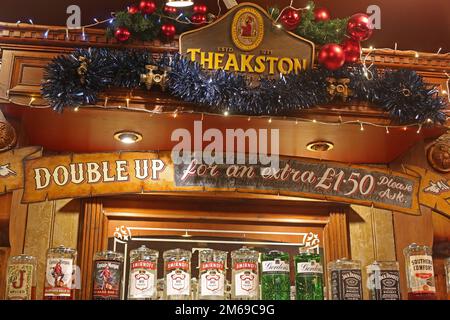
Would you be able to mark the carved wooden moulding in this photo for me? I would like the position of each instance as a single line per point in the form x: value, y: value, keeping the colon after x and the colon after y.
x: 439, y: 154
x: 8, y: 137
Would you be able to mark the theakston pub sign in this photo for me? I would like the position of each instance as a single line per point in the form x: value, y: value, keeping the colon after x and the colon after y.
x: 245, y: 40
x: 92, y: 174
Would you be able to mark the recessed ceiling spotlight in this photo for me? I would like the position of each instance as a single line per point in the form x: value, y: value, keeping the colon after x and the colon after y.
x: 128, y: 137
x: 318, y: 146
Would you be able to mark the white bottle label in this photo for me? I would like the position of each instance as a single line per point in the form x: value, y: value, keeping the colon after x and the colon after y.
x: 246, y: 283
x: 276, y: 265
x: 212, y: 284
x: 142, y: 280
x: 58, y: 277
x: 421, y: 274
x: 309, y: 267
x: 178, y: 283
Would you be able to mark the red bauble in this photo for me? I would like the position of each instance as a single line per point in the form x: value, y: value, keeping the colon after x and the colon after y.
x: 170, y: 10
x: 122, y: 34
x: 359, y: 27
x: 331, y: 56
x: 200, y: 8
x: 198, y: 18
x: 147, y: 7
x: 168, y: 30
x: 321, y: 14
x: 290, y: 19
x: 133, y: 9
x: 352, y: 50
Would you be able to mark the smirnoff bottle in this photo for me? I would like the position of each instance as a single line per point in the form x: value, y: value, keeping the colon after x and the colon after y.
x: 383, y: 280
x: 21, y: 278
x: 308, y: 276
x: 345, y: 280
x: 275, y: 277
x: 177, y: 274
x: 108, y: 276
x: 61, y: 262
x: 212, y: 265
x: 244, y: 276
x: 419, y: 272
x: 143, y: 274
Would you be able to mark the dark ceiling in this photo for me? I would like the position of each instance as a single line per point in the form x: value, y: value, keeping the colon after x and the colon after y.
x: 422, y: 25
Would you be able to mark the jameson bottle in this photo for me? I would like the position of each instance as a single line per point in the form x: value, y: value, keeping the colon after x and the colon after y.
x: 244, y: 274
x: 143, y: 274
x: 177, y: 274
x: 345, y: 280
x: 61, y: 262
x: 419, y: 272
x: 383, y: 280
x: 275, y: 277
x: 212, y: 265
x: 21, y: 278
x: 108, y: 272
x: 308, y: 276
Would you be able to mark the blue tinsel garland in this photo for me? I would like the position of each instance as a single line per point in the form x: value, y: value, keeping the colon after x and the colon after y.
x: 402, y: 93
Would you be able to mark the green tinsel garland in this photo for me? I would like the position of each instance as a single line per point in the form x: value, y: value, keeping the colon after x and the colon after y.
x: 323, y: 32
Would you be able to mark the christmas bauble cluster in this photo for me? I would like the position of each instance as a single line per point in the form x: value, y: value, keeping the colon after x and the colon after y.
x: 333, y: 56
x: 168, y: 29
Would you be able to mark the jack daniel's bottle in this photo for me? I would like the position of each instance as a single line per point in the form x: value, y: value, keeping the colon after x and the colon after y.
x: 345, y: 280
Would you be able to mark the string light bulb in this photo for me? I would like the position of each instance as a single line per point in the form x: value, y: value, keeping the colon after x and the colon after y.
x: 270, y: 120
x: 32, y: 99
x: 419, y: 129
x: 362, y: 127
x: 226, y: 113
x: 387, y: 130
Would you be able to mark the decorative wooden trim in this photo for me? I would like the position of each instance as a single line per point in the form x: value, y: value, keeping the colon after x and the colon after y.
x: 33, y: 35
x: 93, y: 239
x: 17, y: 223
x: 336, y: 237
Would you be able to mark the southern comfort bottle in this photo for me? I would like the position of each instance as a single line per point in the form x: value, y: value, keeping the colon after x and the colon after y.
x: 419, y: 272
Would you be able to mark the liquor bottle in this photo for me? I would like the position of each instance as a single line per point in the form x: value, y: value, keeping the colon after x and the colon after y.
x: 108, y: 276
x: 177, y: 274
x: 143, y: 274
x: 212, y: 264
x: 308, y: 276
x: 383, y: 280
x: 419, y: 272
x: 275, y: 277
x: 447, y: 276
x: 59, y: 273
x: 21, y: 278
x: 345, y: 280
x: 245, y: 275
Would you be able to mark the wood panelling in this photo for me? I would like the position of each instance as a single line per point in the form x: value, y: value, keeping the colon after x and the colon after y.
x: 17, y: 223
x: 336, y: 237
x: 411, y: 229
x: 4, y: 255
x: 372, y: 237
x: 39, y: 236
x: 93, y: 238
x: 65, y: 230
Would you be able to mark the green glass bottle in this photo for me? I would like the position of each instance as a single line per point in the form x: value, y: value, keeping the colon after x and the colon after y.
x: 275, y: 279
x: 308, y: 276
